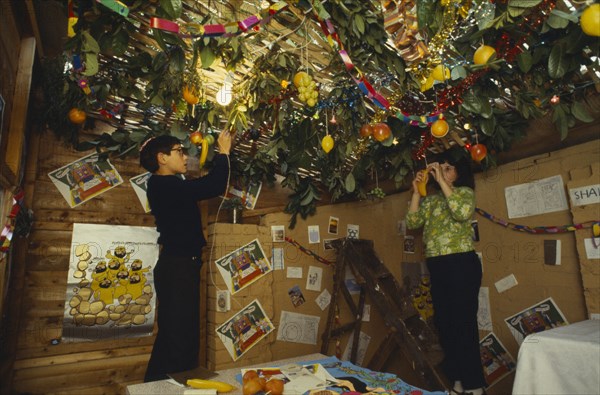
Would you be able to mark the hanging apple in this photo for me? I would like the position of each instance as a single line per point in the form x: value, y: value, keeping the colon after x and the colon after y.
x: 366, y: 130
x: 381, y: 131
x: 196, y: 138
x: 478, y: 152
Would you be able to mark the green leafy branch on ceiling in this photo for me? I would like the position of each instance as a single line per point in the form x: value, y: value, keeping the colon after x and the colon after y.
x: 137, y: 75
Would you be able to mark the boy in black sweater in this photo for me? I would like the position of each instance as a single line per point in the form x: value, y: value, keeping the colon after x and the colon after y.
x: 173, y: 202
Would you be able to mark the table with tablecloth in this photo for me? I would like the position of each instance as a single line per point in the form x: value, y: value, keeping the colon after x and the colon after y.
x: 563, y: 360
x: 335, y: 367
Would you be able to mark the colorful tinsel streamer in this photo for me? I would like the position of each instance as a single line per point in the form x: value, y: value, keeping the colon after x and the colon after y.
x: 536, y: 229
x: 309, y: 252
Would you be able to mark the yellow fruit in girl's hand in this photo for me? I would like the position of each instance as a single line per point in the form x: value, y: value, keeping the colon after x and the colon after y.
x: 422, y: 185
x: 483, y: 54
x: 590, y: 20
x: 440, y: 73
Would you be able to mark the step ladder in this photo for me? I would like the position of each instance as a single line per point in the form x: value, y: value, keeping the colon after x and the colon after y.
x: 406, y: 332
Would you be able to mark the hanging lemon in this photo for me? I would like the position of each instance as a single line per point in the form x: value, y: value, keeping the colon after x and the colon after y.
x: 77, y: 116
x: 189, y: 97
x: 440, y: 73
x: 439, y: 128
x: 327, y: 143
x: 425, y: 86
x: 483, y: 54
x: 590, y: 20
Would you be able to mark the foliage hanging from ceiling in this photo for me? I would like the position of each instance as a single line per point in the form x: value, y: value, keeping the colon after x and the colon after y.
x: 349, y: 93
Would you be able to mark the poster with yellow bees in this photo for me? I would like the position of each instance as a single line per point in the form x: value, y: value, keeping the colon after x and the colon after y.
x: 110, y: 287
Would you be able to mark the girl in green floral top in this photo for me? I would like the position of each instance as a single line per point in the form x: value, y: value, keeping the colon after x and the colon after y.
x: 454, y: 267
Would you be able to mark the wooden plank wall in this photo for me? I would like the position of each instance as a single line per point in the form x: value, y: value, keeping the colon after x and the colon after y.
x: 90, y: 367
x: 38, y: 294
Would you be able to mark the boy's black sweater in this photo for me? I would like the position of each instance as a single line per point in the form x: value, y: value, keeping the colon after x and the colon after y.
x: 174, y: 204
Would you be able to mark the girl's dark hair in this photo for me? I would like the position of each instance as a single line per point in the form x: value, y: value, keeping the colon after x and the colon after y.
x: 152, y: 147
x: 464, y: 172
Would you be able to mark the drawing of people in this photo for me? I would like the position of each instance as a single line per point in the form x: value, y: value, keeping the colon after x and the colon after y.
x: 135, y: 286
x: 121, y: 283
x: 136, y: 268
x: 100, y: 273
x: 105, y: 292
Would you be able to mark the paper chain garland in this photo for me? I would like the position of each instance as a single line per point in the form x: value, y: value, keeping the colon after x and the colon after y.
x: 8, y: 231
x: 357, y: 76
x: 194, y: 30
x: 536, y: 229
x: 309, y: 252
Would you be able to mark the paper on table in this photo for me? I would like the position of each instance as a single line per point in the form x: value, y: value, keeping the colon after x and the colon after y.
x: 301, y: 379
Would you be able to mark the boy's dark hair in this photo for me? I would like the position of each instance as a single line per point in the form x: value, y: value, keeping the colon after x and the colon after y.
x: 464, y: 172
x: 152, y: 147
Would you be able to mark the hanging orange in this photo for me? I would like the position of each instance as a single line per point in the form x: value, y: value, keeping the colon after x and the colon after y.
x: 189, y: 97
x: 381, y: 131
x: 439, y: 128
x: 77, y: 116
x: 478, y: 152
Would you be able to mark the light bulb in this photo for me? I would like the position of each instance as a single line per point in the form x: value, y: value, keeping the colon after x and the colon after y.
x: 225, y: 94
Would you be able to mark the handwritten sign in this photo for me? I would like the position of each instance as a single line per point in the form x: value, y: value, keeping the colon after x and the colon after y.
x: 582, y: 196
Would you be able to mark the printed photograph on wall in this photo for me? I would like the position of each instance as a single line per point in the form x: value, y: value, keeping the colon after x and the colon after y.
x: 139, y: 185
x: 110, y: 287
x: 244, y: 266
x: 242, y: 331
x: 84, y: 179
x: 247, y: 193
x: 497, y: 362
x: 537, y: 318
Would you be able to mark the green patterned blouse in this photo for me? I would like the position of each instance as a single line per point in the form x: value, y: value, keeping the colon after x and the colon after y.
x: 446, y: 222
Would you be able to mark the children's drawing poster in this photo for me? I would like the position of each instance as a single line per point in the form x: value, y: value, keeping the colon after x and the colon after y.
x: 85, y: 178
x: 139, y: 184
x: 497, y: 362
x: 537, y: 318
x: 244, y: 266
x: 242, y: 331
x: 110, y: 287
x: 248, y: 194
